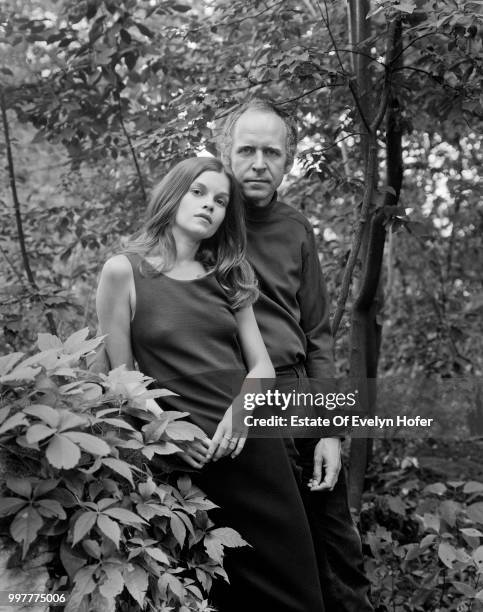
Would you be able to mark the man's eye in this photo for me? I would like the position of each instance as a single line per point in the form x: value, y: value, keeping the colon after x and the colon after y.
x: 245, y: 150
x: 272, y: 153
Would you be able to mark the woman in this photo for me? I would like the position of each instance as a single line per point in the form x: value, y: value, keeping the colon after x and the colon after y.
x: 178, y: 301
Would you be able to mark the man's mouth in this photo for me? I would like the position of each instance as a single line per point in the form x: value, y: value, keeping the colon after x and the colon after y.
x: 256, y: 181
x: 205, y: 217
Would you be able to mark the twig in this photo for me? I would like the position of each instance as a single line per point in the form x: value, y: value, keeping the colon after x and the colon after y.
x: 357, y: 240
x: 396, y: 57
x: 18, y: 216
x: 129, y: 141
x: 325, y: 19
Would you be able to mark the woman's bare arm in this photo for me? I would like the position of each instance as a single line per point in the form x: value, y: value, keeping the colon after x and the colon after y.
x: 231, y: 434
x: 113, y: 303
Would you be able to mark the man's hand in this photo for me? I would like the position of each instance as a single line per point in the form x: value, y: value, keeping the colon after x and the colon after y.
x: 327, y: 455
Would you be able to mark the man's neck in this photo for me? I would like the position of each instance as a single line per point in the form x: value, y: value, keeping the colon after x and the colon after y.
x: 260, y: 203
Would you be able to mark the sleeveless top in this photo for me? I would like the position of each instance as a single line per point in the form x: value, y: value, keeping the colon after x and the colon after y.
x: 184, y: 335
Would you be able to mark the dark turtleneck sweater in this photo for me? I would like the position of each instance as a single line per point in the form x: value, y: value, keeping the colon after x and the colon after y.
x: 293, y: 309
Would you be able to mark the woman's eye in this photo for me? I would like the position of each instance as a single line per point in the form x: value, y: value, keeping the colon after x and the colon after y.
x: 196, y: 191
x: 223, y: 203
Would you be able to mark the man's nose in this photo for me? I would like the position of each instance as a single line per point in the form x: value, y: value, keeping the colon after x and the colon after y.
x: 259, y: 161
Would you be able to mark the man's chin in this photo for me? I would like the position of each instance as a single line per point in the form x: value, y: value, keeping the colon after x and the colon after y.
x: 259, y: 195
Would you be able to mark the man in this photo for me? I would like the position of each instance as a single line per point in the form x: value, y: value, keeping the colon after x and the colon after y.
x: 258, y: 144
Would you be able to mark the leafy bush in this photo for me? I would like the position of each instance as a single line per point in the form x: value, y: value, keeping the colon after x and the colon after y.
x: 425, y: 541
x: 80, y: 491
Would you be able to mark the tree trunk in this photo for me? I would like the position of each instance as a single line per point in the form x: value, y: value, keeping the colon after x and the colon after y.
x: 366, y: 331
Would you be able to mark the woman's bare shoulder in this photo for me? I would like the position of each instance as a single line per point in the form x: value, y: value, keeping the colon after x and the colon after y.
x: 118, y: 268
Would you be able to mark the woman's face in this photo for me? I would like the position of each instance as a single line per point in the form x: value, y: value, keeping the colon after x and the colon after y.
x: 202, y: 209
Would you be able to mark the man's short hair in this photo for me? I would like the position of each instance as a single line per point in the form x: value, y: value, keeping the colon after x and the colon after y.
x: 225, y: 133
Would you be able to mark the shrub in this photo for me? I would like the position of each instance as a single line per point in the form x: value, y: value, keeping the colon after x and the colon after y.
x: 79, y: 490
x: 425, y: 541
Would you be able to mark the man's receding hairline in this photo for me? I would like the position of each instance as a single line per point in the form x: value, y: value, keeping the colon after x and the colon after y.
x: 264, y: 111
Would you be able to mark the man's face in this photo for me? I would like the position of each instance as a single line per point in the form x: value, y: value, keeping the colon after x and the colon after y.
x: 258, y: 154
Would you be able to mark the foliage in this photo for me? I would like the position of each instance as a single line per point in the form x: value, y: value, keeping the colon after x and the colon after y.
x: 88, y: 496
x: 424, y: 540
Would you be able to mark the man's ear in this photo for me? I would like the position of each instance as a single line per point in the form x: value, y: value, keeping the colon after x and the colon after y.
x: 289, y: 165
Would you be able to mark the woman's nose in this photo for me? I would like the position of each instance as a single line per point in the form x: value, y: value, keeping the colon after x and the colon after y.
x: 209, y: 205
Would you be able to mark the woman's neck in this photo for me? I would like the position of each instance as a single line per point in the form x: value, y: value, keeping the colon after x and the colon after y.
x: 186, y: 248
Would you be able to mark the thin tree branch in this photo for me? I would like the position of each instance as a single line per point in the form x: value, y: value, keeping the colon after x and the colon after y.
x: 401, y: 52
x: 131, y: 147
x: 18, y: 216
x: 381, y: 111
x: 358, y: 234
x: 325, y: 20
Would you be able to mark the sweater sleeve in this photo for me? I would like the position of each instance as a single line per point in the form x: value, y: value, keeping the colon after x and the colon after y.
x: 314, y: 313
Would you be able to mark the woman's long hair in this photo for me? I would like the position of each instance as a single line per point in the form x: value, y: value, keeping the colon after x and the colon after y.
x: 223, y: 253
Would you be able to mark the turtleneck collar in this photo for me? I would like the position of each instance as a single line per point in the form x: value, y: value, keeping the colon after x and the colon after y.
x: 257, y: 213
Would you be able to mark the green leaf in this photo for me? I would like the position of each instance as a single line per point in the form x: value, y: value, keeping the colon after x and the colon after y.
x: 162, y: 448
x: 25, y: 527
x: 70, y: 420
x: 11, y: 505
x: 473, y: 487
x: 20, y: 374
x: 471, y: 532
x: 83, y: 585
x: 20, y: 486
x: 83, y: 525
x: 184, y: 431
x: 71, y: 559
x: 148, y: 511
x: 46, y: 342
x: 180, y: 8
x: 178, y: 528
x: 62, y: 453
x: 121, y: 467
x: 475, y: 512
x: 117, y: 423
x: 50, y: 508
x: 214, y: 548
x: 113, y: 584
x: 184, y: 484
x: 228, y: 537
x: 478, y: 558
x: 464, y: 588
x: 447, y: 554
x: 136, y: 580
x: 91, y: 444
x: 124, y: 516
x: 146, y: 31
x: 158, y: 555
x: 396, y: 504
x: 14, y: 421
x: 449, y: 510
x: 91, y: 392
x: 109, y: 528
x: 8, y: 361
x: 92, y: 548
x: 45, y: 486
x: 44, y: 413
x: 174, y: 584
x: 38, y: 432
x: 437, y: 488
x: 75, y: 341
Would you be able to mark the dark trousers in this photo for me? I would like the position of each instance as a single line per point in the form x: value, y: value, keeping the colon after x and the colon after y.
x: 336, y: 540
